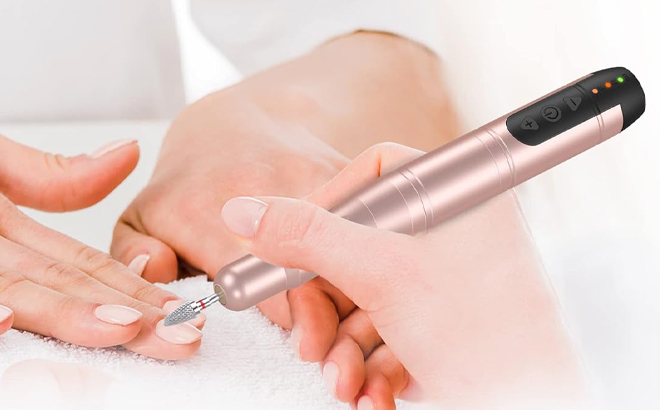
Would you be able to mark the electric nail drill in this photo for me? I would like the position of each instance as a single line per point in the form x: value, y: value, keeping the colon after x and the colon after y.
x: 457, y: 176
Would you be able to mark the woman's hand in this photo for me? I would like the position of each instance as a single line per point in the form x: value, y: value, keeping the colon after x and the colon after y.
x: 55, y: 286
x: 467, y: 309
x: 285, y: 131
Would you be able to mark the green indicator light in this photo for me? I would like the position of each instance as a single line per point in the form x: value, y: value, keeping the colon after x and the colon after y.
x: 619, y: 79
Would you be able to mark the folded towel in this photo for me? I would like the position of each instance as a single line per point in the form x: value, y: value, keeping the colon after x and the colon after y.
x: 245, y: 362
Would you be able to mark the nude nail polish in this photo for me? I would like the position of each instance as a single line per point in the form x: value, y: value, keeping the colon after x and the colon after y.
x: 5, y: 313
x: 331, y: 377
x: 138, y: 264
x: 117, y: 314
x: 296, y: 338
x: 365, y: 403
x: 112, y: 146
x: 173, y: 304
x: 182, y: 334
x: 243, y: 214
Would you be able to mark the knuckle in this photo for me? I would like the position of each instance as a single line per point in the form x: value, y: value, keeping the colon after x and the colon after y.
x: 95, y: 260
x: 9, y: 281
x: 66, y: 305
x: 60, y: 276
x: 56, y: 162
x: 301, y: 229
x: 73, y: 280
x: 60, y: 270
x: 149, y: 292
x: 63, y: 189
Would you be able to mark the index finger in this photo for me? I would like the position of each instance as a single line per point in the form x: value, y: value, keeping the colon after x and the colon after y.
x: 371, y: 164
x: 20, y: 229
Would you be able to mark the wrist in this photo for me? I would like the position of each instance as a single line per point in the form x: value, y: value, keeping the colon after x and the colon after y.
x: 362, y: 89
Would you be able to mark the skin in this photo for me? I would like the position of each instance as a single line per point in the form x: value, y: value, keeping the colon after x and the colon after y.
x: 466, y: 311
x: 53, y: 283
x: 285, y: 131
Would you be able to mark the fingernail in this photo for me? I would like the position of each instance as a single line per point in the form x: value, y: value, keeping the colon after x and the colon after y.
x: 182, y: 334
x: 5, y: 313
x: 243, y: 214
x: 330, y: 377
x: 111, y: 147
x: 365, y: 403
x: 138, y: 264
x: 173, y: 304
x: 296, y: 338
x: 117, y: 314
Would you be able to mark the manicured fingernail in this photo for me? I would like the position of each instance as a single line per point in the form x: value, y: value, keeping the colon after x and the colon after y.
x: 365, y: 403
x: 5, y: 313
x: 117, y: 314
x: 296, y: 338
x: 138, y: 264
x: 243, y: 214
x: 173, y: 304
x: 331, y: 376
x: 182, y: 334
x: 111, y: 147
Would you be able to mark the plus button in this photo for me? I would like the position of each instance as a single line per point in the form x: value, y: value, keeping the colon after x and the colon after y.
x: 528, y: 124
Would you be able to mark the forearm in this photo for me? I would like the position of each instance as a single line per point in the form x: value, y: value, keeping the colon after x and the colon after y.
x: 359, y: 90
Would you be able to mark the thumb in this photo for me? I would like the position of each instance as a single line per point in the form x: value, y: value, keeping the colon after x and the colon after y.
x: 360, y: 261
x: 56, y: 183
x: 156, y: 261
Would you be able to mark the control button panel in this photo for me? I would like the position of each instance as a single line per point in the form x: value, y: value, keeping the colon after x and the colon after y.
x: 551, y: 116
x: 578, y: 103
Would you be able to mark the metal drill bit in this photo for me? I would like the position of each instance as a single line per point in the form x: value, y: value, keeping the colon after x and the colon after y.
x: 190, y: 310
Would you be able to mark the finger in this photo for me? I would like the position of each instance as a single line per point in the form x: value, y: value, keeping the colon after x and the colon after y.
x: 139, y: 264
x: 16, y: 227
x: 41, y: 310
x: 314, y: 319
x: 343, y: 370
x: 385, y: 379
x: 371, y: 164
x: 356, y: 339
x: 279, y: 312
x: 294, y: 233
x: 153, y: 339
x: 277, y: 309
x: 69, y: 280
x: 6, y: 319
x: 84, y: 323
x: 377, y: 395
x: 51, y: 182
x: 128, y: 244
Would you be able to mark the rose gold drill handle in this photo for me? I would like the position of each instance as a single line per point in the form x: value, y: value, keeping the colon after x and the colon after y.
x: 453, y: 178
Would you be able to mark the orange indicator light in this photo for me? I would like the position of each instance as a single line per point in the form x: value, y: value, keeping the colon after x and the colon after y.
x: 608, y: 84
x: 595, y: 91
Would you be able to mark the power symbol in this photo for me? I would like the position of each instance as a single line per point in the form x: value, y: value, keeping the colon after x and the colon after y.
x: 551, y: 113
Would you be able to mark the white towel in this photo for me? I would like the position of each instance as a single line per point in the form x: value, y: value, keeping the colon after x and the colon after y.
x: 245, y: 362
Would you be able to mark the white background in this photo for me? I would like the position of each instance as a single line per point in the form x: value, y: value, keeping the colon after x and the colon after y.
x: 595, y: 218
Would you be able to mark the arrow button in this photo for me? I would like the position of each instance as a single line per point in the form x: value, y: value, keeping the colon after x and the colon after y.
x: 573, y: 102
x: 529, y: 124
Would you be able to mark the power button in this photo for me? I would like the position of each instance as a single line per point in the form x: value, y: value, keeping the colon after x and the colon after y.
x: 551, y: 113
